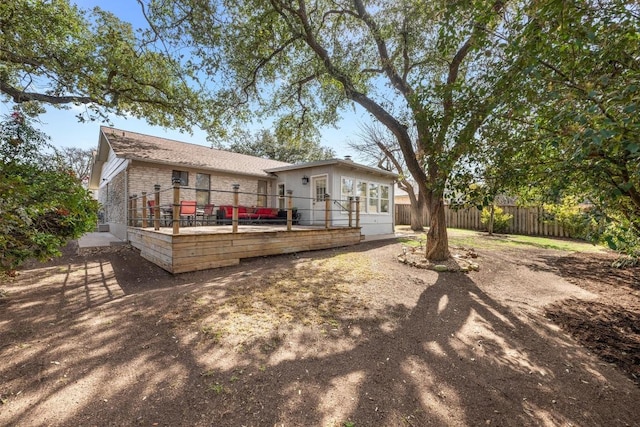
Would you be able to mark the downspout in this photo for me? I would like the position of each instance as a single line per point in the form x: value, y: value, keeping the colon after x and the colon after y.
x: 392, y: 203
x: 126, y: 202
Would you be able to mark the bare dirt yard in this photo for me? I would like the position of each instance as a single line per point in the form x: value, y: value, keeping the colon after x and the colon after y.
x: 539, y: 336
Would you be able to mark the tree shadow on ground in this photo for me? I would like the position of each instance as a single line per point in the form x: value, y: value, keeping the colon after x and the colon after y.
x: 454, y: 356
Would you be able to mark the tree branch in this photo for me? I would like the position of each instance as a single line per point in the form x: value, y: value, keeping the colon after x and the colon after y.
x: 20, y: 96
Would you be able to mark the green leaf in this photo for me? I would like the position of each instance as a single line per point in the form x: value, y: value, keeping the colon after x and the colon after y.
x: 633, y: 147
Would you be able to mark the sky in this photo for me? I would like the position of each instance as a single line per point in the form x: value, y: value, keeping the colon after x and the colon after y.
x: 64, y: 129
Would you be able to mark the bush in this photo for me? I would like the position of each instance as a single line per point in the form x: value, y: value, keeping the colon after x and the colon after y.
x: 500, y: 219
x: 572, y: 217
x: 598, y: 226
x: 42, y: 204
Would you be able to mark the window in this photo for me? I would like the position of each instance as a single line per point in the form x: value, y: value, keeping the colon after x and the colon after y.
x: 262, y: 193
x: 384, y: 198
x: 346, y: 191
x: 203, y: 185
x: 374, y: 198
x: 362, y: 193
x: 281, y: 199
x: 183, y: 176
x: 320, y: 188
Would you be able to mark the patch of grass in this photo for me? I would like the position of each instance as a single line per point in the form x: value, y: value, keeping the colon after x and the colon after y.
x: 412, y: 242
x: 476, y: 239
x: 272, y: 343
x: 208, y: 373
x: 333, y: 323
x: 557, y: 244
x: 212, y: 333
x: 216, y: 388
x: 308, y: 293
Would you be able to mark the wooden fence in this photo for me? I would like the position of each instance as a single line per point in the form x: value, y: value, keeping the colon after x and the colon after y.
x: 526, y: 220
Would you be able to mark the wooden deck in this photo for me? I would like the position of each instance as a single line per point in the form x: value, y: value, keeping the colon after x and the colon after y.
x: 204, y: 247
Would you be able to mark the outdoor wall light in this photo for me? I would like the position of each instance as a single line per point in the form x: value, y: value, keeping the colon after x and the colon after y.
x: 305, y: 180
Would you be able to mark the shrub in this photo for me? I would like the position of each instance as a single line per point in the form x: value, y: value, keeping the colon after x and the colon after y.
x: 42, y: 203
x: 500, y: 219
x: 596, y: 225
x: 571, y: 216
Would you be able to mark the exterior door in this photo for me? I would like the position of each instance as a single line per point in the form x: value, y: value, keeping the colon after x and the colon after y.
x: 319, y: 189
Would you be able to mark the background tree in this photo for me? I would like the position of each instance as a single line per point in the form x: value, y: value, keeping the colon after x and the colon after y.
x: 380, y: 148
x: 52, y: 53
x: 42, y: 203
x: 77, y: 160
x: 582, y: 126
x: 281, y: 145
x: 436, y: 67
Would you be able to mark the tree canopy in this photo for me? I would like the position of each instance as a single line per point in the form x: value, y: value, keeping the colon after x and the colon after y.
x: 574, y: 130
x: 281, y: 145
x: 42, y: 203
x: 435, y: 67
x: 53, y: 53
x: 78, y: 160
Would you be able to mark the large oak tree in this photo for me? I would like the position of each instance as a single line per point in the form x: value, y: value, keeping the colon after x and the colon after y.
x: 53, y: 53
x: 434, y: 66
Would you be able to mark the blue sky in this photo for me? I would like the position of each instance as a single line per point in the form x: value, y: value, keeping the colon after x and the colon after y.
x: 65, y: 130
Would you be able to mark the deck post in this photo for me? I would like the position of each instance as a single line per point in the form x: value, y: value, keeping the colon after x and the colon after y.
x: 289, y: 209
x: 129, y: 211
x: 357, y: 211
x: 327, y: 207
x: 156, y: 207
x: 134, y: 209
x: 234, y: 216
x: 350, y: 211
x: 176, y: 205
x: 144, y: 209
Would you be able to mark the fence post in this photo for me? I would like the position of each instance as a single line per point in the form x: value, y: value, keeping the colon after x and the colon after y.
x: 350, y: 210
x: 327, y: 207
x: 156, y: 207
x: 357, y: 211
x: 234, y: 217
x: 134, y: 208
x: 175, y: 217
x: 289, y: 209
x: 144, y: 209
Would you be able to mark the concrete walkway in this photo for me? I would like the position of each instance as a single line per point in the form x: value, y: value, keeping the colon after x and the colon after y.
x: 95, y: 239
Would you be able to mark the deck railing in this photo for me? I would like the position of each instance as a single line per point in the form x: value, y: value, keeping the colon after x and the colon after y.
x: 142, y: 213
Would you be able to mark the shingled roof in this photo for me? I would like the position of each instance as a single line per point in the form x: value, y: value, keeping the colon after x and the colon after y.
x: 137, y: 146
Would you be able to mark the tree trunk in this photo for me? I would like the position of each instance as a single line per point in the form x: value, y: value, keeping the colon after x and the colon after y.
x: 437, y: 239
x: 416, y: 217
x: 491, y: 216
x: 417, y: 207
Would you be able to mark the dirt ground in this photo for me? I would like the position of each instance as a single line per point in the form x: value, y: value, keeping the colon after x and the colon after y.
x: 345, y: 337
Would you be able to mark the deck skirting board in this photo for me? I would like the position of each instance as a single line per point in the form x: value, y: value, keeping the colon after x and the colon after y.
x: 200, y: 251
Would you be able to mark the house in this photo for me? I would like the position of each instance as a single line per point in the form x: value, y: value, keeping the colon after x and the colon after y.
x: 340, y: 179
x: 127, y: 164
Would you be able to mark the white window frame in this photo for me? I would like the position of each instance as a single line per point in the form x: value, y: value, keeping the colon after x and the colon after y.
x: 366, y: 198
x: 383, y: 199
x: 363, y: 197
x: 373, y: 198
x: 344, y: 196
